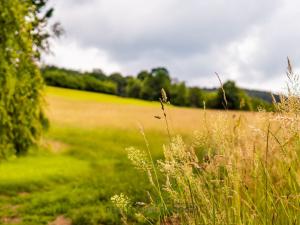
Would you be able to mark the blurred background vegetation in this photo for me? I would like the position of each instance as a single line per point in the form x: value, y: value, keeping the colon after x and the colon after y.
x: 147, y: 85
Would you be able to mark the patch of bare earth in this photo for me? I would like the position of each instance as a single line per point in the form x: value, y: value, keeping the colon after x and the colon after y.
x: 12, y: 210
x: 61, y: 220
x: 11, y: 220
x: 23, y: 194
x: 54, y: 146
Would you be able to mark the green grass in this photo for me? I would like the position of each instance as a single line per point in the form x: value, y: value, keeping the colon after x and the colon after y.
x: 95, y: 97
x: 78, y: 182
x: 24, y: 173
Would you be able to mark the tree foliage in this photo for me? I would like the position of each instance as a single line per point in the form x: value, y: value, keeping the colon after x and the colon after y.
x: 94, y: 81
x: 179, y: 94
x: 147, y: 85
x: 196, y: 97
x: 231, y: 97
x: 21, y: 40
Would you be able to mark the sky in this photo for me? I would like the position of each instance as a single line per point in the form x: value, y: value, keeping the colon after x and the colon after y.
x: 245, y: 41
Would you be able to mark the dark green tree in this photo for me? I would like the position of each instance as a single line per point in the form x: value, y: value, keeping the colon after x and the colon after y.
x: 120, y: 81
x: 179, y: 94
x: 98, y: 74
x: 133, y: 88
x: 148, y: 88
x: 161, y: 80
x: 143, y: 75
x: 22, y: 38
x: 152, y: 83
x: 195, y: 97
x: 234, y: 98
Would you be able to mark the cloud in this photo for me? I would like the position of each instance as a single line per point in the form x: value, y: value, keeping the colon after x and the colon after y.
x: 69, y: 54
x: 243, y: 40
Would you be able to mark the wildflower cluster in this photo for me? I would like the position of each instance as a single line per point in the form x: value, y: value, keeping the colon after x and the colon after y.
x: 138, y: 158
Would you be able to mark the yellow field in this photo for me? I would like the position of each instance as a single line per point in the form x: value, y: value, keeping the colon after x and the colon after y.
x: 86, y: 109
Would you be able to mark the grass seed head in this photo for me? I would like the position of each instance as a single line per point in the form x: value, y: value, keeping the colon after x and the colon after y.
x: 138, y: 158
x: 121, y: 201
x: 164, y: 96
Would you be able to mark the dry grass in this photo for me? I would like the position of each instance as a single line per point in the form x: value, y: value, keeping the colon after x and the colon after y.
x: 240, y: 168
x: 95, y: 114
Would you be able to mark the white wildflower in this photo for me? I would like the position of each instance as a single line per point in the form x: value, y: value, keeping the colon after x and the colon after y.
x: 138, y: 158
x: 121, y: 201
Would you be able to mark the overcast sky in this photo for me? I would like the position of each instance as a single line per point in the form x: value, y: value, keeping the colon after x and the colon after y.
x: 244, y: 40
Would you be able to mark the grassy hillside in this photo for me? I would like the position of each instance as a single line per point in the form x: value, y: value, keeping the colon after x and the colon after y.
x: 70, y: 94
x: 147, y: 85
x: 81, y: 162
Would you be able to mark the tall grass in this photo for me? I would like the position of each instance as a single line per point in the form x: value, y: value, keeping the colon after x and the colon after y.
x: 236, y: 170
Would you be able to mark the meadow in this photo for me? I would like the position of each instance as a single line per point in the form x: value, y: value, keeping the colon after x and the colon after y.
x: 81, y: 161
x: 73, y: 157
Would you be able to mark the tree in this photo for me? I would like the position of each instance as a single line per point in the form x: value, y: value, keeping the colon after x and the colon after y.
x: 195, y: 97
x: 161, y: 80
x: 133, y: 88
x: 143, y: 75
x: 21, y: 95
x: 120, y: 81
x: 98, y: 74
x: 147, y: 88
x: 234, y: 98
x: 179, y: 94
x: 152, y: 83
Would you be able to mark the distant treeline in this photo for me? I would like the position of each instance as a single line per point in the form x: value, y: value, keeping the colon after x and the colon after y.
x: 147, y: 85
